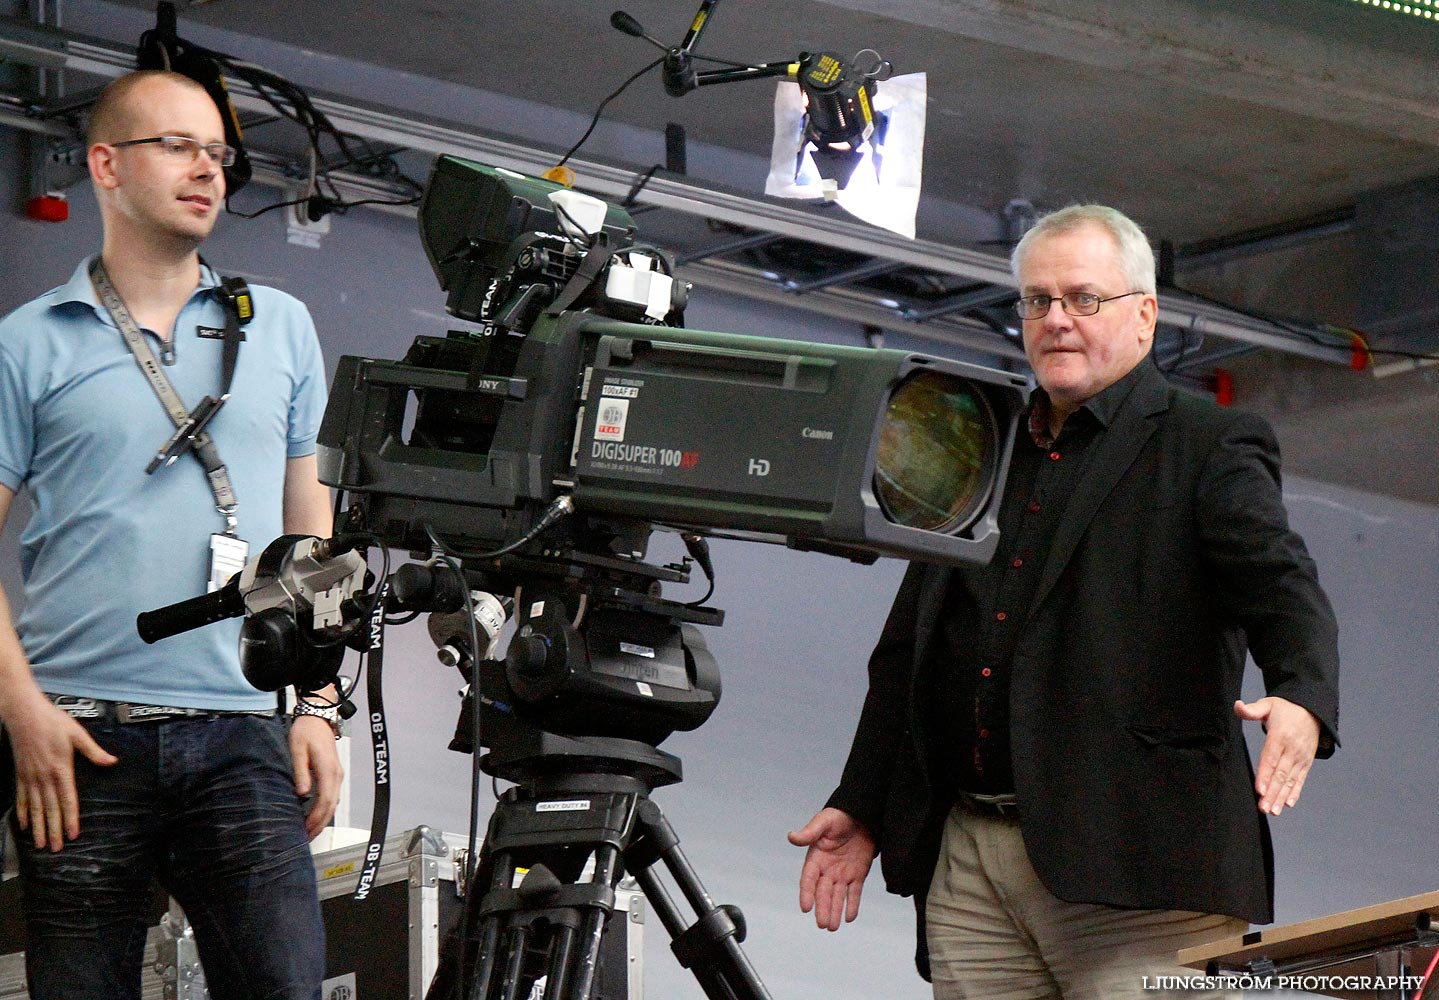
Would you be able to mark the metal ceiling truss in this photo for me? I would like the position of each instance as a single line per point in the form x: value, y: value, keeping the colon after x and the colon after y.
x: 837, y: 295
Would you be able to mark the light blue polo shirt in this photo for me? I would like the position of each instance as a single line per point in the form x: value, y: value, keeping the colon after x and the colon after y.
x: 78, y: 425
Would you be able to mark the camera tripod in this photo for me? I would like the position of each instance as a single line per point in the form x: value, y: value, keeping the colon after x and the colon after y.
x: 578, y: 819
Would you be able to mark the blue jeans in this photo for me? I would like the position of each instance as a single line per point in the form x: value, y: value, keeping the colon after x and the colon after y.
x: 207, y: 806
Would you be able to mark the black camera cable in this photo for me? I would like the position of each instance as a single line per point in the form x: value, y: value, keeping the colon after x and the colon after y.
x: 477, y: 658
x: 699, y: 550
x: 600, y: 110
x: 562, y: 506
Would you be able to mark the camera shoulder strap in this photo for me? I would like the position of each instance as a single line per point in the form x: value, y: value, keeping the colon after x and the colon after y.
x: 584, y: 276
x: 380, y: 743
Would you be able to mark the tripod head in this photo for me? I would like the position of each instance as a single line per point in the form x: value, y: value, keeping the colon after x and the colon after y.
x: 595, y: 651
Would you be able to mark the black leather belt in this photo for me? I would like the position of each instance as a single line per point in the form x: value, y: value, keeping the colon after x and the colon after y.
x: 1005, y: 805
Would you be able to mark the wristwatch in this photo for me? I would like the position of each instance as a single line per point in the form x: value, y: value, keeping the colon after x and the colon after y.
x: 330, y: 713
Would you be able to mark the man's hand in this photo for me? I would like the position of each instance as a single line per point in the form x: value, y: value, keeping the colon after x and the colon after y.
x: 317, y: 766
x: 44, y: 740
x: 1289, y: 747
x: 840, y: 853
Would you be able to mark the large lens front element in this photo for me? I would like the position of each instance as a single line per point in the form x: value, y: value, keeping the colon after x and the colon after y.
x: 938, y: 452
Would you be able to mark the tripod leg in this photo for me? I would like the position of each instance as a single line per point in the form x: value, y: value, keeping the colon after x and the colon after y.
x: 592, y: 927
x: 710, y: 980
x: 710, y: 947
x: 557, y: 978
x: 489, y: 939
x: 519, y: 939
x: 489, y: 870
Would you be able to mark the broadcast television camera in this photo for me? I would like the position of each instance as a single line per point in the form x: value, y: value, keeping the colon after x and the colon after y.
x: 582, y: 382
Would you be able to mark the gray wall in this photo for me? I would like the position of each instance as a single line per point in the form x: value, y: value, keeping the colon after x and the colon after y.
x: 794, y: 645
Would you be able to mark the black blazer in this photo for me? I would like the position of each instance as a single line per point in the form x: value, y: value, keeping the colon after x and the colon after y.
x: 1134, y: 783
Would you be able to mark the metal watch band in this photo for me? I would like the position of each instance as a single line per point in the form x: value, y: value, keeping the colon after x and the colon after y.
x: 330, y: 713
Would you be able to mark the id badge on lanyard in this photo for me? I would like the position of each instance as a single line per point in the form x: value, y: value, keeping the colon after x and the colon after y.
x: 227, y: 557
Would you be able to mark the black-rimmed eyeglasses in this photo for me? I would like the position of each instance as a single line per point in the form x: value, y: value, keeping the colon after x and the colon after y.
x: 182, y: 147
x: 1074, y: 303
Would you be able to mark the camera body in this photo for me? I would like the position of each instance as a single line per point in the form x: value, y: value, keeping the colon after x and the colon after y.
x: 581, y: 382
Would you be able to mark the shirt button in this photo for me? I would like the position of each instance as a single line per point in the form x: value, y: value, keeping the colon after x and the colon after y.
x: 1000, y: 616
x: 1017, y: 563
x: 985, y: 672
x: 984, y: 734
x: 1033, y: 507
x: 1054, y: 456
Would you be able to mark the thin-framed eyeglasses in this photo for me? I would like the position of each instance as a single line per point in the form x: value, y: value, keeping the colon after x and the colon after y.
x: 182, y: 147
x: 1074, y: 303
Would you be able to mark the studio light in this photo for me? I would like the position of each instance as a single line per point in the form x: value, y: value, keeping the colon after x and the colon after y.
x: 858, y: 142
x: 844, y: 131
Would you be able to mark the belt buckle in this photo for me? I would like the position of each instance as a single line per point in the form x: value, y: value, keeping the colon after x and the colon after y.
x: 1005, y: 805
x: 77, y: 707
x: 128, y: 713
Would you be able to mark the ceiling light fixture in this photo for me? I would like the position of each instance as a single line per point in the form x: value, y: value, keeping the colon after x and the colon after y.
x: 1427, y: 10
x: 838, y: 135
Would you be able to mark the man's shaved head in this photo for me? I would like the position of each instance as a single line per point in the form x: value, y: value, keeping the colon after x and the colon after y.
x: 111, y: 118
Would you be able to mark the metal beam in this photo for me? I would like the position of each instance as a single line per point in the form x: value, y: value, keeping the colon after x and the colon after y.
x: 735, y: 245
x: 1209, y: 253
x: 818, y: 226
x: 849, y: 308
x: 31, y: 45
x: 1174, y: 361
x: 12, y: 113
x: 976, y: 299
x: 36, y: 45
x: 1203, y: 318
x: 849, y: 275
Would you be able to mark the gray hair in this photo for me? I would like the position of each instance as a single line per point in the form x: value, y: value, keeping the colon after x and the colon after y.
x: 1132, y: 250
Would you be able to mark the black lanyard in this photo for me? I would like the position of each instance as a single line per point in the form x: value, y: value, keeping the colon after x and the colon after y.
x: 380, y: 738
x: 190, y: 434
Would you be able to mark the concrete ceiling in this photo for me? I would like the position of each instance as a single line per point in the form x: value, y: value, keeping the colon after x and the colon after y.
x: 1201, y: 118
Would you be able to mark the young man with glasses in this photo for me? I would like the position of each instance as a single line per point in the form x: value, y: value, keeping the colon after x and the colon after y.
x: 132, y: 762
x: 1050, y: 758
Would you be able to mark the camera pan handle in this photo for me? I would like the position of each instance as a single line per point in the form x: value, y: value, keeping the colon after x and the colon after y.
x: 191, y: 614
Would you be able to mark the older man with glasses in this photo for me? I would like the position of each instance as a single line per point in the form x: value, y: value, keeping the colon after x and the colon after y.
x: 137, y: 763
x: 1050, y: 758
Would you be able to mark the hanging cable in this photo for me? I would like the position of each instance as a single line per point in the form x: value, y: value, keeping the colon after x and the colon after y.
x: 600, y: 110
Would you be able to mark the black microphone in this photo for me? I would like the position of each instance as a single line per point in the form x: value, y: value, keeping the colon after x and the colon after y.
x: 624, y: 22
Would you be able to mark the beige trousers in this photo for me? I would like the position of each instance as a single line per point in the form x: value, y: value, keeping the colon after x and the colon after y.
x: 996, y: 933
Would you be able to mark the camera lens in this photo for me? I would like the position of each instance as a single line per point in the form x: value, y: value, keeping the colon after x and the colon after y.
x: 938, y: 451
